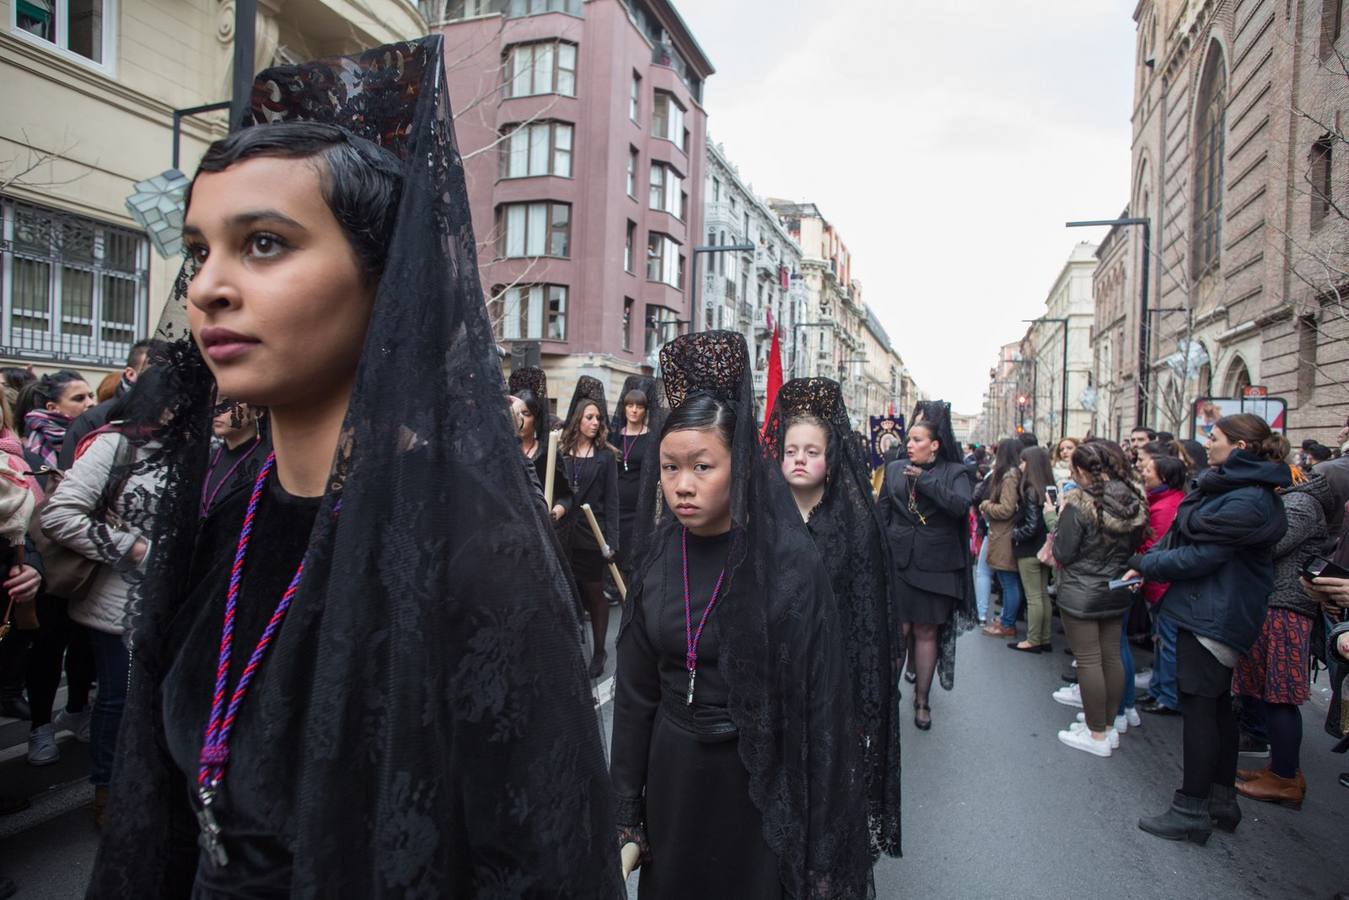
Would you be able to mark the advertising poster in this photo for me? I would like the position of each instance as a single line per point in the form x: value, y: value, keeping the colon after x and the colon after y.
x: 1208, y: 410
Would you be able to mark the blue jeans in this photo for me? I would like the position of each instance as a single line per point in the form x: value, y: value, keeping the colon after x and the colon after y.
x: 983, y: 582
x: 1126, y: 655
x: 112, y: 663
x: 1164, y: 688
x: 1011, y: 596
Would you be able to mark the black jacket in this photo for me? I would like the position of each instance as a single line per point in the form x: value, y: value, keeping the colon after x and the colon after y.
x: 1028, y: 528
x: 1093, y: 542
x: 1218, y: 553
x: 930, y: 546
x: 596, y: 484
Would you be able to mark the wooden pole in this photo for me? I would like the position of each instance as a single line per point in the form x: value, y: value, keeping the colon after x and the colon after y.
x: 550, y: 473
x: 630, y: 854
x: 599, y: 539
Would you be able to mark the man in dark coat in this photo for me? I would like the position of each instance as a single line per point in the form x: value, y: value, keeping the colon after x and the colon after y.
x: 96, y: 417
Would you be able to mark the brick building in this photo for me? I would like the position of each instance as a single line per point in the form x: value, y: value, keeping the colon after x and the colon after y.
x: 582, y: 130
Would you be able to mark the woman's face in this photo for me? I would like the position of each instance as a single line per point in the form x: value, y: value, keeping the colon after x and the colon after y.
x: 695, y: 477
x: 1149, y: 471
x: 1142, y: 457
x: 1219, y: 447
x: 922, y: 448
x: 634, y: 413
x: 76, y: 397
x: 526, y: 421
x: 520, y: 415
x: 803, y: 456
x: 236, y: 419
x: 590, y: 421
x: 1066, y: 449
x: 278, y: 305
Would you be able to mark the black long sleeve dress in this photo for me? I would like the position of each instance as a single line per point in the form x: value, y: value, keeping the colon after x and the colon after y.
x: 594, y: 480
x: 926, y: 523
x: 676, y: 766
x: 633, y: 450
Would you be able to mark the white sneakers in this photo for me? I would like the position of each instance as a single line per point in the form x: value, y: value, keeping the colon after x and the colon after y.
x: 1079, y: 738
x: 1081, y: 725
x: 42, y: 750
x: 1070, y: 695
x: 1134, y: 719
x: 76, y: 723
x: 1143, y: 679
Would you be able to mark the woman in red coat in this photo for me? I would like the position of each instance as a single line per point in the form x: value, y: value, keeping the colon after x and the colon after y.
x: 1164, y: 479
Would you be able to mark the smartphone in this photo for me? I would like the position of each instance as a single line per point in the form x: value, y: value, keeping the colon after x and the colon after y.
x: 1118, y: 584
x: 1320, y: 567
x: 1053, y: 494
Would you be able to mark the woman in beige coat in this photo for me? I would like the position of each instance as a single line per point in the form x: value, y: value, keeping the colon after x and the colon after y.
x: 999, y: 510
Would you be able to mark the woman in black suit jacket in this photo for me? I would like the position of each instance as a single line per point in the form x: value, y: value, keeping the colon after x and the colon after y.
x: 924, y: 508
x: 592, y: 469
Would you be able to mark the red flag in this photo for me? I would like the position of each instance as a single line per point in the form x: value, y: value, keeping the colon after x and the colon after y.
x: 774, y: 378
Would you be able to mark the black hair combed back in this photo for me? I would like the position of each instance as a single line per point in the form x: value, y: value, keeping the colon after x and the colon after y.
x: 702, y: 412
x: 361, y: 181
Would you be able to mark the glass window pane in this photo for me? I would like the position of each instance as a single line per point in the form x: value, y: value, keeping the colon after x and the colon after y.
x: 77, y: 302
x: 557, y: 312
x: 538, y: 149
x: 119, y: 309
x: 543, y: 68
x: 31, y: 294
x: 519, y: 153
x: 84, y: 28
x: 538, y: 217
x: 653, y: 257
x: 535, y: 325
x: 522, y: 60
x: 515, y: 230
x: 510, y: 325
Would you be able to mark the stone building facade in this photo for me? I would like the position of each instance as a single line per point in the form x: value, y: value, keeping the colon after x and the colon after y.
x: 89, y: 93
x: 1239, y: 163
x: 1066, y: 324
x: 583, y: 133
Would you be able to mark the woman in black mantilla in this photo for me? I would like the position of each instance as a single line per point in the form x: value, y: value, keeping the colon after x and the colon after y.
x: 590, y: 463
x: 735, y: 756
x: 530, y: 386
x: 924, y: 508
x: 632, y: 432
x: 374, y: 707
x: 810, y: 437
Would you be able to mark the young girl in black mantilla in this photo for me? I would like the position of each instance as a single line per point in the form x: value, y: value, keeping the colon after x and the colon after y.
x: 735, y: 757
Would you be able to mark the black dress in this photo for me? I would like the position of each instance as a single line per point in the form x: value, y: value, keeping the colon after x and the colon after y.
x: 926, y: 523
x: 594, y: 480
x: 257, y: 800
x: 633, y: 449
x: 682, y: 761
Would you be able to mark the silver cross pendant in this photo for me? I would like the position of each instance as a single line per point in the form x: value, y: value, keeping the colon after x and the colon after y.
x: 208, y: 837
x: 693, y: 673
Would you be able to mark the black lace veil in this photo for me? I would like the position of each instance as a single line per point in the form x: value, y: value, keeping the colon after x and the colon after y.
x: 783, y: 650
x: 854, y: 550
x: 588, y: 387
x: 656, y: 411
x: 534, y: 380
x: 449, y: 738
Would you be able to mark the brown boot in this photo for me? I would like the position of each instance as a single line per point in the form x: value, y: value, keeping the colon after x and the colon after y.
x: 100, y: 805
x: 1272, y: 788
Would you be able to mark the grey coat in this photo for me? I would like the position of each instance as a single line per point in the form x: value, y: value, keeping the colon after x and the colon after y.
x: 1307, y: 506
x: 1093, y: 543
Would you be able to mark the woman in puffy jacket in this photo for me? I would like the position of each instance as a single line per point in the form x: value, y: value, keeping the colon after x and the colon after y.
x: 1100, y: 525
x: 1164, y: 479
x: 1219, y: 561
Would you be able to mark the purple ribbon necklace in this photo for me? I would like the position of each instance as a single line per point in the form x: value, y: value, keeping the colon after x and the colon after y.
x: 627, y: 447
x: 207, y: 501
x: 691, y: 638
x: 215, y: 747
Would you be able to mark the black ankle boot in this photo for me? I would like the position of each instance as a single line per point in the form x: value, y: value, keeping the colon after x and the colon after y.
x: 1186, y: 820
x: 1223, y: 808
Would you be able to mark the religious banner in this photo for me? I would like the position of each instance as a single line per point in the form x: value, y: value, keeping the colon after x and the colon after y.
x: 887, y: 433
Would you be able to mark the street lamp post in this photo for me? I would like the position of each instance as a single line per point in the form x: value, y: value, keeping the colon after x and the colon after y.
x: 1144, y: 329
x: 710, y: 248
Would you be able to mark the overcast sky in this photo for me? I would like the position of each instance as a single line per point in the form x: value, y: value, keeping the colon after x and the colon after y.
x: 948, y: 149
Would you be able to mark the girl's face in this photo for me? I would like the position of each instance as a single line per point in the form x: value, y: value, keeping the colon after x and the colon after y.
x: 695, y: 477
x: 76, y: 397
x: 278, y: 304
x: 590, y: 421
x: 1066, y: 449
x: 520, y: 415
x: 803, y: 456
x: 1149, y: 470
x: 1143, y: 456
x: 1219, y: 447
x: 634, y: 413
x: 526, y: 420
x: 238, y: 419
x: 922, y: 448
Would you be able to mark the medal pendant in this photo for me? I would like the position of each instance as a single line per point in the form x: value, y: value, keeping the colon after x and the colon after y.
x: 625, y: 465
x: 693, y: 673
x: 209, y: 837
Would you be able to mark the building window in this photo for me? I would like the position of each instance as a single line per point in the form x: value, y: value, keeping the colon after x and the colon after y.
x: 82, y: 28
x: 72, y: 289
x: 632, y: 172
x: 628, y: 305
x: 547, y: 67
x: 629, y: 245
x: 1208, y: 193
x: 517, y: 8
x: 1307, y: 340
x: 532, y: 312
x: 436, y: 11
x: 534, y: 229
x: 634, y: 97
x: 716, y: 190
x: 662, y: 326
x: 667, y: 190
x: 1332, y: 19
x: 1319, y: 173
x: 541, y: 148
x: 667, y: 117
x: 663, y: 260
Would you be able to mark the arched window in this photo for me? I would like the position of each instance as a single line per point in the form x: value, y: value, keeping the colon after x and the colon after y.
x: 1239, y: 376
x: 1207, y: 199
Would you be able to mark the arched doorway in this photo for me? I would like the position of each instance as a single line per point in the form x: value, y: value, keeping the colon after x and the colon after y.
x: 1238, y: 376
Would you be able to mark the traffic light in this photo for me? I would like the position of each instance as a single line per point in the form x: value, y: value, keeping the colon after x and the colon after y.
x: 1021, y: 400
